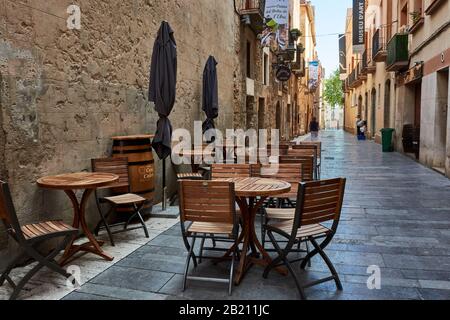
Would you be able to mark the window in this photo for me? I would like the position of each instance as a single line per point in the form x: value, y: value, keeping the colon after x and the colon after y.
x: 404, y: 16
x: 249, y: 60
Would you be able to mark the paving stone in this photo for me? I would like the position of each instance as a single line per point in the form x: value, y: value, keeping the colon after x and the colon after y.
x: 131, y: 278
x: 120, y: 293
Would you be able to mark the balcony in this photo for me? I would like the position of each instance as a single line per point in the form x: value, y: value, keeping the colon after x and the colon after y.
x: 367, y: 66
x: 360, y: 75
x: 397, y: 53
x: 379, y: 46
x: 356, y: 77
x: 252, y: 13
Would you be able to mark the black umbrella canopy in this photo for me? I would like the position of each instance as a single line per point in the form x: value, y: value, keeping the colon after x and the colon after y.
x: 163, y: 78
x: 210, y: 94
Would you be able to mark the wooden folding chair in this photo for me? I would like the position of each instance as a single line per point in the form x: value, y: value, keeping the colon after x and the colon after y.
x: 290, y: 172
x: 225, y: 171
x: 207, y: 211
x: 307, y: 162
x: 308, y: 150
x: 319, y: 153
x: 318, y: 204
x: 124, y: 198
x: 29, y: 238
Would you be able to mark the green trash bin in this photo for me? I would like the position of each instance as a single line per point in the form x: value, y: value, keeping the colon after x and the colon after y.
x: 386, y: 138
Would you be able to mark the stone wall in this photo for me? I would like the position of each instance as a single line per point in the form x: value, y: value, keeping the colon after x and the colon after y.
x: 64, y: 92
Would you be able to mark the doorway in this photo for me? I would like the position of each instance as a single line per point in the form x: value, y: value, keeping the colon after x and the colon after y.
x: 387, y: 104
x: 373, y: 128
x: 261, y: 113
x: 288, y: 121
x: 366, y: 107
x: 278, y: 116
x: 360, y: 106
x: 250, y: 106
x: 441, y: 120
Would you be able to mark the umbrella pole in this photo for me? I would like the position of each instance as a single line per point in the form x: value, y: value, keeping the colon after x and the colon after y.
x: 164, y: 200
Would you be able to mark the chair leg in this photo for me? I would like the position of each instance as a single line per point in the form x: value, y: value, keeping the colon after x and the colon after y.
x: 143, y: 225
x: 283, y: 258
x: 213, y: 241
x: 5, y: 275
x: 313, y: 253
x: 24, y: 281
x: 188, y: 261
x: 202, y: 245
x: 230, y: 284
x: 42, y: 261
x: 307, y: 252
x: 329, y: 264
x: 277, y: 260
x: 297, y: 282
x: 48, y: 261
x: 103, y: 221
x: 263, y: 228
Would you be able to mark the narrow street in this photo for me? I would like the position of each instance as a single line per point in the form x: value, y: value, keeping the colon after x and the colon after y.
x: 396, y: 216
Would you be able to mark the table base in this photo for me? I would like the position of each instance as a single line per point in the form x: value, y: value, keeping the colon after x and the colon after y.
x: 253, y: 252
x: 92, y: 246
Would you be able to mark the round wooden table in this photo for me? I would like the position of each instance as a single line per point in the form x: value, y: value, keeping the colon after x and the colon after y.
x: 250, y: 196
x: 69, y: 183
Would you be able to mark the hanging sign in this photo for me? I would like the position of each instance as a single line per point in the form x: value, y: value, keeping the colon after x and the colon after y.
x: 359, y: 26
x: 342, y: 56
x: 283, y: 73
x: 276, y: 33
x: 313, y: 81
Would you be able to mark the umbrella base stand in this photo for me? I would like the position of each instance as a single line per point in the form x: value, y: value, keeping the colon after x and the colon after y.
x: 171, y: 212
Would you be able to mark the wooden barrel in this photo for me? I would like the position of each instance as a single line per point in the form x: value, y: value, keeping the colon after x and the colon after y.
x: 138, y: 150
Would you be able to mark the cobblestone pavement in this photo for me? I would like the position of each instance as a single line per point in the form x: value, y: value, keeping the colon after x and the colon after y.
x: 396, y: 216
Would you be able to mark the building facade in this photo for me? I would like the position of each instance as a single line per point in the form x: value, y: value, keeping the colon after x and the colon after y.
x: 65, y: 92
x: 402, y: 81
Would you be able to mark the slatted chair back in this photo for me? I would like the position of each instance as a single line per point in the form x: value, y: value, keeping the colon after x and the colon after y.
x: 118, y: 166
x: 292, y: 173
x: 8, y: 213
x: 313, y: 143
x: 224, y: 171
x: 207, y: 201
x: 319, y: 202
x: 307, y: 163
x: 304, y: 150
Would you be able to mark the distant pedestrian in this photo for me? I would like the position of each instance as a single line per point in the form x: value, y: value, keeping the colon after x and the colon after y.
x: 314, y: 128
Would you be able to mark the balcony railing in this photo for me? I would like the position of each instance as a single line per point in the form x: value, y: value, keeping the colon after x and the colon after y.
x: 364, y: 63
x: 379, y: 45
x: 253, y: 11
x: 397, y: 53
x: 352, y: 79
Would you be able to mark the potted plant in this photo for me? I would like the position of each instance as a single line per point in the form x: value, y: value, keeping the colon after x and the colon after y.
x: 415, y: 15
x: 295, y: 34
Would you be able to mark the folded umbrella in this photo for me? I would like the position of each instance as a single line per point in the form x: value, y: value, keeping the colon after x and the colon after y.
x: 210, y: 95
x: 162, y: 91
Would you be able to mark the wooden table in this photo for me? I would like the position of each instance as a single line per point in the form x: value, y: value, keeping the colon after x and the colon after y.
x: 250, y: 196
x: 88, y: 182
